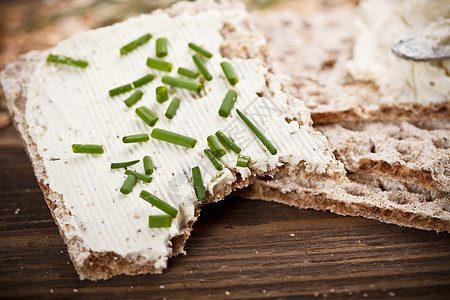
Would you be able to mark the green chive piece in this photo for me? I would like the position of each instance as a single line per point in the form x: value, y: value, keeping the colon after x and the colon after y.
x: 182, y: 83
x: 216, y: 163
x: 148, y: 165
x: 147, y: 115
x: 242, y: 161
x: 228, y: 142
x: 200, y: 50
x: 128, y: 184
x: 174, y: 138
x: 143, y: 80
x: 229, y: 72
x: 198, y: 184
x: 227, y: 103
x: 187, y: 72
x: 139, y: 176
x: 161, y: 94
x: 172, y: 109
x: 120, y: 90
x: 161, y: 47
x: 159, y: 221
x: 159, y: 64
x: 124, y: 164
x: 202, y: 67
x: 87, y: 148
x: 60, y: 59
x: 162, y: 205
x: 258, y: 133
x: 135, y: 97
x: 216, y: 147
x: 134, y: 44
x: 143, y: 137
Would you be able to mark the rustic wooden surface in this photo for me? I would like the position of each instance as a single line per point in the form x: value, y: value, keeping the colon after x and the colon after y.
x: 238, y: 249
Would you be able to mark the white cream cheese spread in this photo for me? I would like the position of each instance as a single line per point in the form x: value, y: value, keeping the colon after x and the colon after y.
x: 67, y: 105
x: 384, y: 23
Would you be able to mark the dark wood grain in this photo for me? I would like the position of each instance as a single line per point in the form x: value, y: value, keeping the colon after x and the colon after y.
x: 238, y: 249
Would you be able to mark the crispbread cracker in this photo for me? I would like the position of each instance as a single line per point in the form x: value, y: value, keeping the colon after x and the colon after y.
x: 398, y: 170
x: 315, y: 49
x: 98, y: 265
x: 238, y: 41
x: 410, y: 152
x: 398, y: 174
x: 368, y: 196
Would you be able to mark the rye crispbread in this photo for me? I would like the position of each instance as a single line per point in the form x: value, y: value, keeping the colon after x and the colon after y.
x: 314, y: 49
x: 417, y: 153
x: 398, y: 170
x: 368, y: 196
x: 241, y: 42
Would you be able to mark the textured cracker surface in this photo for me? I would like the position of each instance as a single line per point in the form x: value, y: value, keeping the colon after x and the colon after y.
x: 368, y: 196
x: 313, y: 49
x: 399, y: 171
x: 416, y: 153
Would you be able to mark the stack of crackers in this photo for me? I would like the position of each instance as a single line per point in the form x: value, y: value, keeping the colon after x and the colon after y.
x: 396, y: 154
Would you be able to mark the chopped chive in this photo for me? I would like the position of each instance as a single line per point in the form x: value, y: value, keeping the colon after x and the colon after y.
x: 139, y: 176
x: 135, y: 97
x: 198, y: 184
x: 182, y: 83
x: 172, y: 109
x: 200, y: 50
x: 216, y: 147
x: 147, y: 115
x: 159, y: 64
x: 216, y: 163
x: 202, y: 67
x: 120, y: 90
x: 161, y: 94
x: 60, y: 59
x: 162, y: 205
x: 87, y: 148
x: 128, y: 184
x: 227, y: 103
x: 258, y: 133
x: 134, y: 44
x: 228, y: 142
x: 187, y: 72
x: 242, y: 161
x: 229, y: 72
x: 161, y: 47
x: 143, y: 137
x: 159, y: 221
x: 174, y: 138
x: 143, y: 80
x: 123, y: 164
x: 148, y: 165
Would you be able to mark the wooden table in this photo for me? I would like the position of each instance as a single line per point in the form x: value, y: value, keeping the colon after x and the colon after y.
x: 239, y: 249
